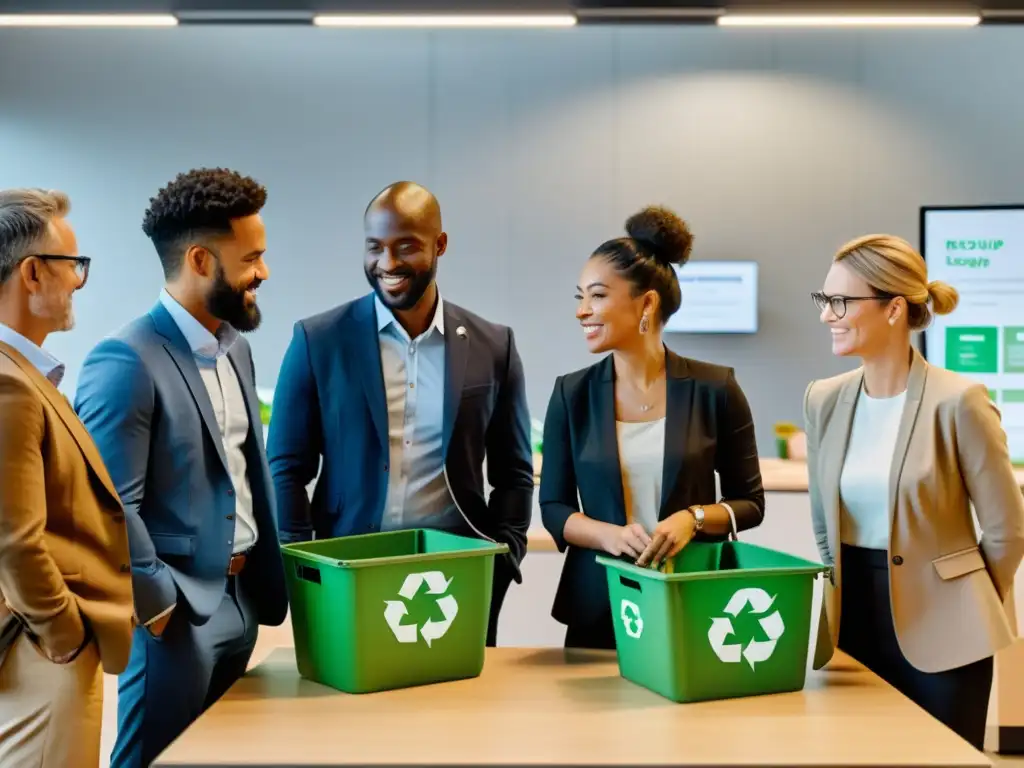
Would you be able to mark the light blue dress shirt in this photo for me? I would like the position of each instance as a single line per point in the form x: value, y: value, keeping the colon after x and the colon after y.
x: 218, y: 374
x: 414, y: 382
x: 43, y: 361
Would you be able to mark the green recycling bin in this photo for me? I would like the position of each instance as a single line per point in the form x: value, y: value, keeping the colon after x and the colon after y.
x: 726, y: 619
x: 390, y: 610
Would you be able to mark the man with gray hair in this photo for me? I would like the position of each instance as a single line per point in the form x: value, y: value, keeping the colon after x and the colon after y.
x: 65, y: 581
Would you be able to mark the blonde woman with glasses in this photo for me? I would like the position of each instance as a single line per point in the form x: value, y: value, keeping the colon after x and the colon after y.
x: 898, y: 450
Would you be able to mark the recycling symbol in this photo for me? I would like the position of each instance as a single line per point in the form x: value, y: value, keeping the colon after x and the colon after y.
x: 629, y: 612
x: 395, y: 610
x: 756, y: 650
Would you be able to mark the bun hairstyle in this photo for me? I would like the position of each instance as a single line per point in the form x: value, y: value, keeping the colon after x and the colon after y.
x: 656, y: 240
x: 893, y: 267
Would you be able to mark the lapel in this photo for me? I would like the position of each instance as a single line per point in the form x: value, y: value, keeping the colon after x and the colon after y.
x: 603, y: 403
x: 366, y: 345
x: 678, y: 406
x: 243, y: 372
x: 177, y: 347
x: 911, y: 407
x: 67, y: 415
x: 833, y: 451
x: 456, y: 355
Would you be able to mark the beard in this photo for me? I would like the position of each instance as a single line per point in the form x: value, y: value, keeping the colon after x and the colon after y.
x: 407, y: 299
x: 227, y: 303
x: 54, y: 307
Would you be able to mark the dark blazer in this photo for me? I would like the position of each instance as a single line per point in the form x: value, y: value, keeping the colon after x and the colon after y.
x: 141, y: 396
x: 708, y: 428
x: 330, y: 404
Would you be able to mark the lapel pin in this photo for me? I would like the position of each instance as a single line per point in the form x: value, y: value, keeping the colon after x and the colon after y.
x: 461, y: 331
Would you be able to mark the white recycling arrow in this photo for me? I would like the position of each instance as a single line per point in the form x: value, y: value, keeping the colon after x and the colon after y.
x: 629, y: 612
x: 721, y: 628
x: 433, y: 630
x: 395, y: 610
x: 756, y: 651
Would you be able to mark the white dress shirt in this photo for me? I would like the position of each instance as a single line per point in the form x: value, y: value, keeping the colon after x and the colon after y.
x: 43, y: 361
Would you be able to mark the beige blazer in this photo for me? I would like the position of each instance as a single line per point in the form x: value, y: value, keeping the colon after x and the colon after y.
x: 949, y: 592
x: 63, y: 541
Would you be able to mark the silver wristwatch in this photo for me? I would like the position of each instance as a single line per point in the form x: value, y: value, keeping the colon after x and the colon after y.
x: 698, y: 516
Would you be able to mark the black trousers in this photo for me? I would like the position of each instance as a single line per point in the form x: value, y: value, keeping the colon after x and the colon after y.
x: 599, y: 634
x: 499, y: 587
x: 957, y: 697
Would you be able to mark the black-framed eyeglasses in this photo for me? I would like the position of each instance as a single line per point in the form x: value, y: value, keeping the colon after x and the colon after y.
x: 838, y: 303
x: 81, y: 263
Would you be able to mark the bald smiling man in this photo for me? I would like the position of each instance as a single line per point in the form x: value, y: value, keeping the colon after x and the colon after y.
x: 403, y: 396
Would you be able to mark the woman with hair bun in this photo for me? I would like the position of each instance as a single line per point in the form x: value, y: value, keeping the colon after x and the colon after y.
x: 897, y: 452
x: 632, y: 443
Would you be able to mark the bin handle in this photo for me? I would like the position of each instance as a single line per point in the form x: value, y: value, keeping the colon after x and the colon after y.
x: 307, y: 573
x: 630, y: 583
x: 733, y: 532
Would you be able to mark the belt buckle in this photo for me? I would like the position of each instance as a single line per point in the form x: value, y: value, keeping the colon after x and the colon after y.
x: 237, y: 563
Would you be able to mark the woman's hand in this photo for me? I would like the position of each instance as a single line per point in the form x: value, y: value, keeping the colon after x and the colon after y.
x: 626, y: 540
x: 671, y: 535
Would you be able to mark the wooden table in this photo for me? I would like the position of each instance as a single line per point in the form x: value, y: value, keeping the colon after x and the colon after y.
x: 542, y: 707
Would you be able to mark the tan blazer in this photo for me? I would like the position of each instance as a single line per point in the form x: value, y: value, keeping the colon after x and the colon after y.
x: 63, y: 541
x: 949, y: 594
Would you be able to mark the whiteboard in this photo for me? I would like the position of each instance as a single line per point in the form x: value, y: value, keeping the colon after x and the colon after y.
x: 718, y: 297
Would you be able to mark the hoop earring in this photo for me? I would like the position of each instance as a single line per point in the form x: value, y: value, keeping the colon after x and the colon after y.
x: 644, y: 324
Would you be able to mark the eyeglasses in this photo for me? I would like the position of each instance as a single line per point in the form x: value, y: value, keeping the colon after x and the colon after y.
x: 81, y: 264
x: 838, y: 303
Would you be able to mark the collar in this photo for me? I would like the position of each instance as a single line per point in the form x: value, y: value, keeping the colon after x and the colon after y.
x: 202, y: 343
x: 386, y: 318
x: 44, y: 362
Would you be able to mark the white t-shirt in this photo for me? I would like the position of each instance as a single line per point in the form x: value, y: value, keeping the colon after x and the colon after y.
x: 641, y: 459
x: 864, y: 483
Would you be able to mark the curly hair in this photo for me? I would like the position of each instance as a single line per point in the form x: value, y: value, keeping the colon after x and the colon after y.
x: 656, y: 239
x: 202, y: 202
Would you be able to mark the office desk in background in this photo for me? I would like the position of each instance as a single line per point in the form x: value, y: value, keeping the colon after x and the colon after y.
x: 536, y: 707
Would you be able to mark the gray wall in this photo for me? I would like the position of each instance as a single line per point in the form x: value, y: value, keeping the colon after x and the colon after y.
x: 777, y: 147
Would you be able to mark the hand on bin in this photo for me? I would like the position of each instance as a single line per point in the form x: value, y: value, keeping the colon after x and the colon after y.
x: 669, y: 537
x: 626, y: 540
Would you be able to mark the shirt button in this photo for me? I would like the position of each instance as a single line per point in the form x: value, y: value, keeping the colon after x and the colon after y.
x: 385, y: 467
x: 231, y: 493
x: 125, y: 568
x: 412, y: 385
x: 897, y: 560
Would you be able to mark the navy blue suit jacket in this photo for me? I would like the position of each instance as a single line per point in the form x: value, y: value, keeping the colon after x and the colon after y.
x: 330, y: 403
x: 141, y: 396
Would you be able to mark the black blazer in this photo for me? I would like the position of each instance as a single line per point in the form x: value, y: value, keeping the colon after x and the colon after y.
x: 708, y: 428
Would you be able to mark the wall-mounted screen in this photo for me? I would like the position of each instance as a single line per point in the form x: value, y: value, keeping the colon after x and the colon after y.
x: 718, y: 297
x: 980, y: 252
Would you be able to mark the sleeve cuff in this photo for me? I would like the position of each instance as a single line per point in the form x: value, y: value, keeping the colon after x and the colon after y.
x: 166, y: 612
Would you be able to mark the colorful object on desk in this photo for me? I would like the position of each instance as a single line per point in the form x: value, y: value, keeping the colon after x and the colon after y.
x: 266, y: 399
x: 537, y: 436
x: 732, y: 620
x: 784, y: 430
x: 390, y: 610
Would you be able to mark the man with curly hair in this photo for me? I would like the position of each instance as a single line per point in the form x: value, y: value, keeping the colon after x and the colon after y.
x: 409, y: 400
x: 171, y: 402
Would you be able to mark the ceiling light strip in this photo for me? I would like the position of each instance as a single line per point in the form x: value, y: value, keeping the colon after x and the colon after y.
x: 784, y: 20
x: 442, y: 20
x: 86, y: 20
